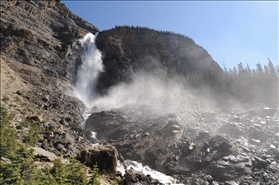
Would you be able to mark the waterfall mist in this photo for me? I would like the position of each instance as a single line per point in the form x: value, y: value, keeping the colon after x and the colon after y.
x: 166, y: 122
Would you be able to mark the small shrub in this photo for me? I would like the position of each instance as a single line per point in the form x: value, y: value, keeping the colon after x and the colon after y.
x: 95, y: 175
x: 5, y: 99
x: 8, y: 145
x: 33, y: 135
x: 25, y: 123
x: 19, y: 127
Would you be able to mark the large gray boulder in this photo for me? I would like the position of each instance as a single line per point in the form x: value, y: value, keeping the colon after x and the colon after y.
x: 105, y: 156
x: 43, y: 154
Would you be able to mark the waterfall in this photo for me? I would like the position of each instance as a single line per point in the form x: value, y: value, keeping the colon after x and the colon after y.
x: 89, y: 70
x: 88, y: 73
x: 86, y: 79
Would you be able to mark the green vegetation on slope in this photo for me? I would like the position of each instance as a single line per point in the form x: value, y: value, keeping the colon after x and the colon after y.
x: 19, y: 166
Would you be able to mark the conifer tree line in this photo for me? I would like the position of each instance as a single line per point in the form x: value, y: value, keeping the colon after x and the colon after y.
x: 258, y: 86
x: 141, y: 29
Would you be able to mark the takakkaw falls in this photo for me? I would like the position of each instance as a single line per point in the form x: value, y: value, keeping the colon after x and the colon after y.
x: 87, y: 76
x: 129, y: 105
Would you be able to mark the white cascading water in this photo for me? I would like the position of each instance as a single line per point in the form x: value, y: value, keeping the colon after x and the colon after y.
x: 87, y: 78
x: 145, y: 170
x: 88, y: 73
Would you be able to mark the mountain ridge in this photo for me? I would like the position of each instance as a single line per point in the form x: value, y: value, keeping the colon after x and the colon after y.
x: 130, y: 49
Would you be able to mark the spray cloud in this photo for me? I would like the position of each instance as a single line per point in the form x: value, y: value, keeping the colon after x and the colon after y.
x: 152, y: 88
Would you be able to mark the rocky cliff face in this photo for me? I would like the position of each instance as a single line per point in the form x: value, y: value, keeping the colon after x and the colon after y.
x: 41, y: 33
x: 38, y: 33
x: 127, y: 50
x: 35, y: 38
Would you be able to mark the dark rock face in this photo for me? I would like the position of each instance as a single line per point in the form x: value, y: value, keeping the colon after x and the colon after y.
x: 104, y: 156
x: 126, y: 52
x: 102, y: 123
x: 133, y: 177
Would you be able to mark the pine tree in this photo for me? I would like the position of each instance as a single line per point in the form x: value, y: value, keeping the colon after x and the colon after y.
x: 271, y: 68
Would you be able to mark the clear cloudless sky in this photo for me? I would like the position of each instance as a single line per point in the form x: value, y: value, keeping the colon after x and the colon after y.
x: 231, y: 32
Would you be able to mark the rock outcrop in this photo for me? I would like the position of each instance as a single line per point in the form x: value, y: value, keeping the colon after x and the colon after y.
x: 134, y: 177
x: 104, y: 156
x: 43, y: 154
x: 35, y: 39
x: 129, y: 50
x: 39, y: 34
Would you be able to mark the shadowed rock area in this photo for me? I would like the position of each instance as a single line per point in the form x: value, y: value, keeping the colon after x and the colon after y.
x: 127, y: 50
x: 195, y: 145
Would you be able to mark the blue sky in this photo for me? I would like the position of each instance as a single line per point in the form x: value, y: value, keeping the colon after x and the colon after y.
x: 231, y: 32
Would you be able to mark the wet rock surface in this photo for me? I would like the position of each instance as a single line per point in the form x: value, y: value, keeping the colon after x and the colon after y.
x: 133, y: 177
x: 194, y: 144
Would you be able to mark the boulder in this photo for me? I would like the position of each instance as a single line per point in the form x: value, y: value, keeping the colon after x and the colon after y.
x: 225, y: 171
x: 108, y: 124
x: 258, y: 162
x: 36, y: 118
x: 5, y: 160
x: 105, y: 156
x: 232, y: 129
x: 43, y: 154
x: 257, y: 134
x: 172, y: 128
x: 132, y: 176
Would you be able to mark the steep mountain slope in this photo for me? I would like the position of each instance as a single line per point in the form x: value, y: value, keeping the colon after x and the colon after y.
x: 35, y: 38
x: 41, y: 33
x: 127, y: 50
x: 38, y: 33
